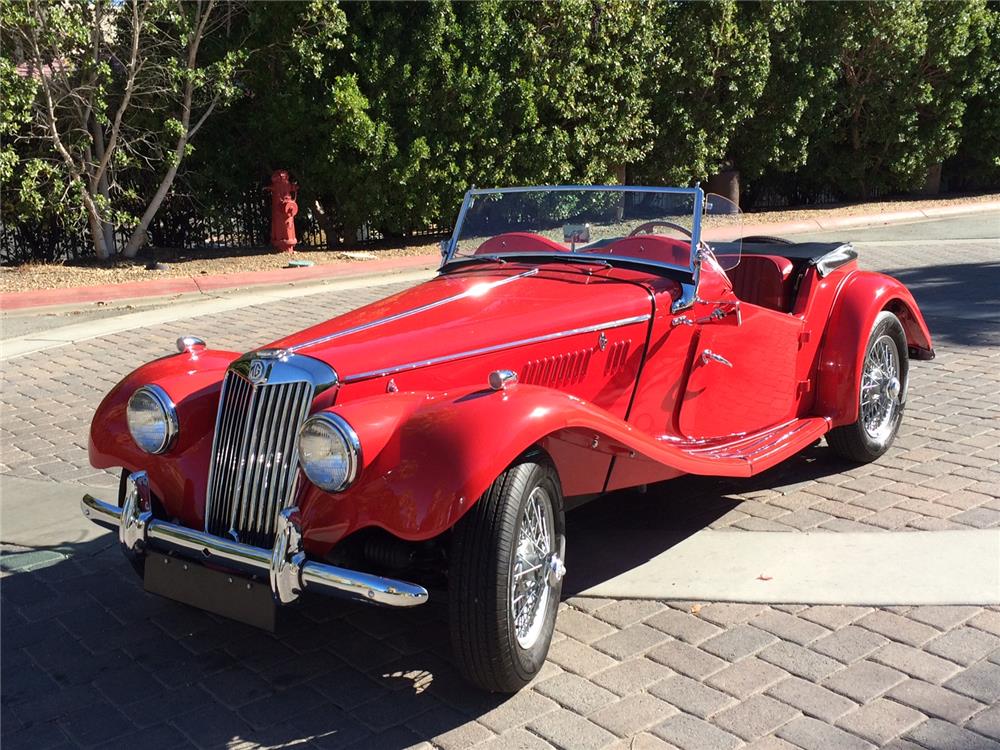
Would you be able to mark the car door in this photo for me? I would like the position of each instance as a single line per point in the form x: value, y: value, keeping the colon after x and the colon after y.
x: 741, y: 373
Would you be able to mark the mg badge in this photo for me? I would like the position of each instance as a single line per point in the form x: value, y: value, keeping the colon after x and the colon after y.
x: 257, y: 373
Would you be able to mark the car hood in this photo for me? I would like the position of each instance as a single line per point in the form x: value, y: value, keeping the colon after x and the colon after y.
x: 462, y: 313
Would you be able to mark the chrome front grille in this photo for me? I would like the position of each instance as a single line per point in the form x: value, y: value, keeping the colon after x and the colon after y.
x: 254, y: 457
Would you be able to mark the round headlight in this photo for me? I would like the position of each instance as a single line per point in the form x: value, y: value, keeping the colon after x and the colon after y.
x: 329, y: 452
x: 152, y: 419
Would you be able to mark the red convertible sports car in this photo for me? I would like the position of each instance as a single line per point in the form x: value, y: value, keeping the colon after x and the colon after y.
x: 575, y: 340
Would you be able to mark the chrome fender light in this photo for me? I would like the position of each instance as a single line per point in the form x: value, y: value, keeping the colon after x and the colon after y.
x: 329, y: 452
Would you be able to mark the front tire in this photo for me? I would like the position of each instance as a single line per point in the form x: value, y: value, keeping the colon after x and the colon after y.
x: 505, y: 577
x: 881, y: 396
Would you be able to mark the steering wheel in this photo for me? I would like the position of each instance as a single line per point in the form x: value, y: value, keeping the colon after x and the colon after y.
x: 645, y: 228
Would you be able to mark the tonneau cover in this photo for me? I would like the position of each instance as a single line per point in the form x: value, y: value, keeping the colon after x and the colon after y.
x: 812, y: 252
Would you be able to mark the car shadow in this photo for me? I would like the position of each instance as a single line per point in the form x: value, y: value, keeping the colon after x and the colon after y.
x: 622, y: 530
x: 959, y: 301
x: 88, y: 654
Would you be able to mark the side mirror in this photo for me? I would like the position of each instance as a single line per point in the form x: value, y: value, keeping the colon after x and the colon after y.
x: 574, y: 233
x: 443, y: 245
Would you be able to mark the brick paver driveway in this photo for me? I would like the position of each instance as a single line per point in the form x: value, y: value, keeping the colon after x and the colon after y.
x: 90, y: 660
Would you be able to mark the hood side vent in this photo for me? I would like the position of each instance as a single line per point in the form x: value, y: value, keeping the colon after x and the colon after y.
x: 617, y: 356
x: 561, y: 370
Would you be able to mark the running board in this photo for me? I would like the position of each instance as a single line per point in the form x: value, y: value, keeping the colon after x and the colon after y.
x: 751, y: 454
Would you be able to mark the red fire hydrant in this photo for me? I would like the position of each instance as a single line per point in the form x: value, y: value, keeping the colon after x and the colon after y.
x: 283, y: 209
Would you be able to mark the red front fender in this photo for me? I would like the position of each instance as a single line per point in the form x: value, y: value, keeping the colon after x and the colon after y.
x: 193, y: 382
x: 428, y: 457
x: 863, y: 296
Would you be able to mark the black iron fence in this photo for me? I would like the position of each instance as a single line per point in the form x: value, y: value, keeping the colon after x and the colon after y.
x: 245, y: 222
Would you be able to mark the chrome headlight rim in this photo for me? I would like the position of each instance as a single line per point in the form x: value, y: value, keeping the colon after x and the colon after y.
x: 351, y: 441
x: 169, y: 411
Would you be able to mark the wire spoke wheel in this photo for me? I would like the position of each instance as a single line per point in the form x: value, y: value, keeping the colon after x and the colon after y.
x: 530, y: 586
x: 880, y: 389
x: 881, y: 394
x: 505, y: 576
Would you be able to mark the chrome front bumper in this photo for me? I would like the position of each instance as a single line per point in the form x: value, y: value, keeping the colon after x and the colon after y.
x: 285, y: 564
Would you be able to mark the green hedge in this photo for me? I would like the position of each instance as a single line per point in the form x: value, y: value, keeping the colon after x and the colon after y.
x: 387, y: 112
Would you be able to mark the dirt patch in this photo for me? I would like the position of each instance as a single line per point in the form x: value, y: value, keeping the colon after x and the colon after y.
x: 182, y: 263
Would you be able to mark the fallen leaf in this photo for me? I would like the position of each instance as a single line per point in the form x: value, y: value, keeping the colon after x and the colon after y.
x: 695, y: 609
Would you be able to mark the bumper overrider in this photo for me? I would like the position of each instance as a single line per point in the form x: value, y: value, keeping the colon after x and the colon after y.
x: 284, y: 565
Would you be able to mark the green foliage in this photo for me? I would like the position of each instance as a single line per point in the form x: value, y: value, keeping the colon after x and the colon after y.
x: 15, y: 114
x: 707, y: 76
x: 103, y: 109
x: 803, y: 50
x: 976, y: 164
x: 385, y: 112
x: 907, y: 71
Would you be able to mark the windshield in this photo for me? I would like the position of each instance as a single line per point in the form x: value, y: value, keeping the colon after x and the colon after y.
x: 655, y: 225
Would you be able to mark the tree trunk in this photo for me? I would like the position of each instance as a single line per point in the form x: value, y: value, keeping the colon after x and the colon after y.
x: 138, y: 236
x: 107, y: 227
x: 726, y: 183
x: 620, y: 177
x: 932, y: 183
x: 96, y: 232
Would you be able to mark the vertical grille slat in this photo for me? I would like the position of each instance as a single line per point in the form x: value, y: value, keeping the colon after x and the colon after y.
x: 253, y: 457
x: 239, y: 469
x: 249, y: 487
x: 231, y: 457
x: 230, y: 412
x: 280, y: 426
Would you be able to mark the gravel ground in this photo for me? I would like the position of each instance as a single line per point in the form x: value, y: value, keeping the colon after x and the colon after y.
x: 33, y: 276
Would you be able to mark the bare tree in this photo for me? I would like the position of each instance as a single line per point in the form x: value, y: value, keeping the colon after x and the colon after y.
x: 122, y: 88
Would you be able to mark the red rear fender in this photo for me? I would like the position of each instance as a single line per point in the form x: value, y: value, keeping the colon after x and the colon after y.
x: 863, y: 296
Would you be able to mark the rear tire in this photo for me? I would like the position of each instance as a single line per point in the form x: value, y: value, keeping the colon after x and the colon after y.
x: 502, y: 608
x: 881, y: 396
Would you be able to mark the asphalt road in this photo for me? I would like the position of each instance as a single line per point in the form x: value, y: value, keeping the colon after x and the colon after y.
x: 983, y: 226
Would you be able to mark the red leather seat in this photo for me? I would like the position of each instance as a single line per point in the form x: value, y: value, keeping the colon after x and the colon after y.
x: 764, y: 280
x: 653, y: 247
x: 520, y: 242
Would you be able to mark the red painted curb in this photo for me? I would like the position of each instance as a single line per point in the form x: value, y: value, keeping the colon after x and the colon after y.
x: 200, y: 284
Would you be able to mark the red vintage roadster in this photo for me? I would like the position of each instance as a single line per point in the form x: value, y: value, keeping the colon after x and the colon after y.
x: 575, y: 340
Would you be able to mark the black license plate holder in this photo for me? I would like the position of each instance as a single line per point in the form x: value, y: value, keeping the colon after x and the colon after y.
x: 231, y: 595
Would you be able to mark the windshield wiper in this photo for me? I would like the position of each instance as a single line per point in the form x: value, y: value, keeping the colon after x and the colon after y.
x: 469, y: 259
x: 576, y: 258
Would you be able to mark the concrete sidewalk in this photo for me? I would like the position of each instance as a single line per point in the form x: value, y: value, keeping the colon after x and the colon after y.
x: 18, y: 346
x: 201, y: 285
x: 861, y: 568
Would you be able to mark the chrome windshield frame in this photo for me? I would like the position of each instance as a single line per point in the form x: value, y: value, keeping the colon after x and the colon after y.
x: 696, y: 192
